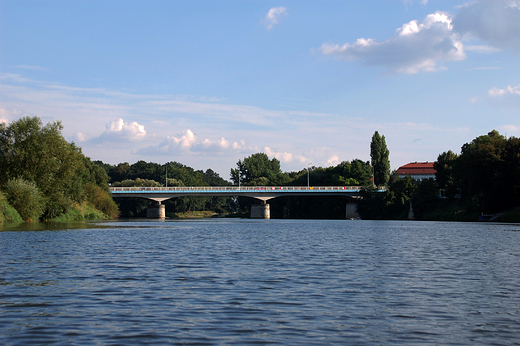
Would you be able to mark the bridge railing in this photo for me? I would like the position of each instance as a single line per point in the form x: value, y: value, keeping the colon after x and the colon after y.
x: 237, y: 188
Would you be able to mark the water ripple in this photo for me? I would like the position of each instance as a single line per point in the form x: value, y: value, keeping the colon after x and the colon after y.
x: 266, y: 282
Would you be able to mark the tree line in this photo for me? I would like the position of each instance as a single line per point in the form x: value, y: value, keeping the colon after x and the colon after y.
x: 255, y: 170
x: 483, y: 179
x: 172, y: 173
x: 44, y: 177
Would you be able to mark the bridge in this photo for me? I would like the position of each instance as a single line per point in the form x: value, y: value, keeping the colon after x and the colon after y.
x: 261, y: 193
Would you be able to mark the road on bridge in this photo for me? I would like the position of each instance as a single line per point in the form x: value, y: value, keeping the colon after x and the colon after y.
x: 263, y: 193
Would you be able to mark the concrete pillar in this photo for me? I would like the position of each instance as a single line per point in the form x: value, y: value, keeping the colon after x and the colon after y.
x: 351, y: 211
x: 260, y: 211
x: 411, y: 215
x: 156, y: 211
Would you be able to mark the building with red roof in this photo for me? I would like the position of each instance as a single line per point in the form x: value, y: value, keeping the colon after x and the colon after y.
x: 417, y: 170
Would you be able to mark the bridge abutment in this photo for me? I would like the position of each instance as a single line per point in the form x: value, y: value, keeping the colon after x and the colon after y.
x: 260, y: 211
x: 156, y: 211
x: 351, y: 211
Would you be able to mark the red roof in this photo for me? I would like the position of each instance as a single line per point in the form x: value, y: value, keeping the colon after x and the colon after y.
x: 417, y: 168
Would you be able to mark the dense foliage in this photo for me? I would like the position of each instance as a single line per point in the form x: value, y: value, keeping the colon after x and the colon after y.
x: 153, y: 174
x: 483, y: 179
x: 7, y: 212
x: 258, y: 170
x: 487, y: 172
x: 38, y: 164
x: 379, y: 155
x: 254, y: 170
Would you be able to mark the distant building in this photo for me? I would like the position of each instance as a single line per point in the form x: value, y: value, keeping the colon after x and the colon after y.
x: 417, y: 170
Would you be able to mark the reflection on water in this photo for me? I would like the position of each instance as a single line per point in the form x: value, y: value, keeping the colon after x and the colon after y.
x: 259, y: 281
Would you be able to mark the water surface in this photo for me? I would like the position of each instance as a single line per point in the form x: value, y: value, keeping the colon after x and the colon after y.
x: 210, y: 282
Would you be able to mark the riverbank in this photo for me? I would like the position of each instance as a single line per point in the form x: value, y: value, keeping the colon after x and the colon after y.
x: 7, y: 212
x: 191, y: 215
x: 78, y: 212
x: 453, y: 210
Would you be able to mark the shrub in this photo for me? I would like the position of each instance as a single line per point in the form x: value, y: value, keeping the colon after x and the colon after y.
x: 25, y: 197
x: 7, y: 212
x: 101, y: 200
x: 56, y: 205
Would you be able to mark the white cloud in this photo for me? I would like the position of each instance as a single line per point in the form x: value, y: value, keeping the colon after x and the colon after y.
x: 183, y: 142
x: 274, y: 16
x: 495, y: 92
x: 409, y: 2
x: 3, y: 116
x: 334, y: 160
x: 79, y: 137
x: 496, y: 22
x: 119, y: 130
x: 284, y: 157
x: 481, y: 49
x: 508, y: 128
x: 7, y: 115
x: 221, y: 112
x: 414, y: 47
x: 219, y: 134
x: 31, y: 67
x: 484, y: 68
x: 189, y: 143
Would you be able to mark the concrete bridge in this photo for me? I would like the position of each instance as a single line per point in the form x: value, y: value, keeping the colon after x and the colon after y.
x: 261, y: 193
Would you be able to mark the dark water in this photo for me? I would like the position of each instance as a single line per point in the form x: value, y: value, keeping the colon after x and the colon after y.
x: 261, y: 282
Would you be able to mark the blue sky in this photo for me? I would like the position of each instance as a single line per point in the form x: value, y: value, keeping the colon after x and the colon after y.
x: 207, y: 83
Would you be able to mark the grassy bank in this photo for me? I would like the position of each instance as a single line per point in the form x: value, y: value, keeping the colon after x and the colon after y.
x: 81, y: 212
x: 7, y: 212
x: 446, y: 210
x: 512, y: 216
x: 191, y: 215
x: 78, y: 212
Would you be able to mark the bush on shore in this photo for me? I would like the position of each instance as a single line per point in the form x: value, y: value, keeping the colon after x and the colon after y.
x: 7, y: 212
x: 80, y: 212
x: 44, y: 177
x: 26, y: 198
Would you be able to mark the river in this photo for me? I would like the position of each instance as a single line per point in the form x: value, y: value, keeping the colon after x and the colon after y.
x: 238, y: 281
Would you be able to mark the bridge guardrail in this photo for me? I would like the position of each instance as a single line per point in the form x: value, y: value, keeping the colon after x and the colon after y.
x: 237, y: 188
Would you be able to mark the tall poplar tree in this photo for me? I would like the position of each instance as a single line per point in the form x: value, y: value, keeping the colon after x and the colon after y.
x: 379, y: 154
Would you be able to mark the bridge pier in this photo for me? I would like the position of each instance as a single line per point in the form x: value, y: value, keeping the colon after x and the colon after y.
x: 156, y: 210
x: 351, y: 210
x: 260, y: 211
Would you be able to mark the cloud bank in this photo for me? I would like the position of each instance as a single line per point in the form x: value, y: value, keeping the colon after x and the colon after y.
x: 416, y: 46
x: 496, y: 22
x: 274, y: 16
x: 509, y: 90
x: 120, y: 131
x: 424, y: 46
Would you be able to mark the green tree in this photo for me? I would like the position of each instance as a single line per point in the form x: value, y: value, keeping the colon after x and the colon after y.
x: 480, y: 173
x: 257, y: 170
x: 444, y: 175
x: 101, y: 200
x: 38, y: 154
x: 137, y: 183
x: 360, y: 171
x: 373, y: 205
x: 425, y: 198
x: 7, y: 212
x: 379, y: 155
x: 26, y: 198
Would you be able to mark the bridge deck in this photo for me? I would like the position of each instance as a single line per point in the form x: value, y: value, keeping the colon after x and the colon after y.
x: 259, y: 192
